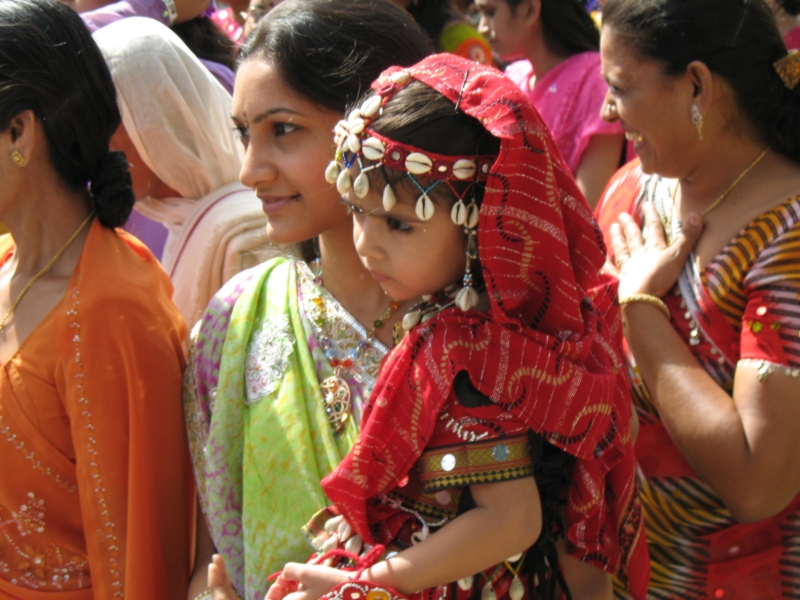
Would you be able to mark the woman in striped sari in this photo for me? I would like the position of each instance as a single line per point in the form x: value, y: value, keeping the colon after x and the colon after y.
x: 705, y: 231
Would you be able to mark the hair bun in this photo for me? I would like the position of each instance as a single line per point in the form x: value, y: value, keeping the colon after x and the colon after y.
x: 112, y: 189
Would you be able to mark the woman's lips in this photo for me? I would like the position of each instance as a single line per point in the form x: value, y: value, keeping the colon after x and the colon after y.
x: 379, y: 277
x: 271, y: 204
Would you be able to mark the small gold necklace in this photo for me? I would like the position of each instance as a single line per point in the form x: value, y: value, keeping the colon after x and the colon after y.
x: 724, y: 194
x: 46, y: 268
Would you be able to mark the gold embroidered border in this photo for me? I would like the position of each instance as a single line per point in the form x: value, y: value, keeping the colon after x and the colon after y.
x: 480, y: 462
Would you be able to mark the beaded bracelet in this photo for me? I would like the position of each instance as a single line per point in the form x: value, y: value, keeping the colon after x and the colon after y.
x: 648, y: 299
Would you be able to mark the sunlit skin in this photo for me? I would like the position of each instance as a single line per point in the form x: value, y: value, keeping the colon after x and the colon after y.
x: 284, y: 135
x: 407, y: 256
x: 505, y: 29
x: 654, y: 109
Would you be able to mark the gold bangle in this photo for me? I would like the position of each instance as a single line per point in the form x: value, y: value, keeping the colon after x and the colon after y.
x: 648, y: 299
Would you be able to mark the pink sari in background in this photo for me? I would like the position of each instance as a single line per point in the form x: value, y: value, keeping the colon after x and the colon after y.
x: 569, y: 98
x: 792, y: 39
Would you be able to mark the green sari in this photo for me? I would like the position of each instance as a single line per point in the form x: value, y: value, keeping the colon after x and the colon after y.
x: 259, y: 433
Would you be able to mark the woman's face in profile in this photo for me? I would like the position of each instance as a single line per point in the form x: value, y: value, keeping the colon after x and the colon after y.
x: 288, y: 143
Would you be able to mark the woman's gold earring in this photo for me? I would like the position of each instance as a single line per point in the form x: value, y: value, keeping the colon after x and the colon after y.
x: 18, y: 158
x: 697, y: 119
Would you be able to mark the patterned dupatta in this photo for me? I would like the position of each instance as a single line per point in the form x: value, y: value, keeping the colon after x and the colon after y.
x: 258, y: 430
x: 546, y: 352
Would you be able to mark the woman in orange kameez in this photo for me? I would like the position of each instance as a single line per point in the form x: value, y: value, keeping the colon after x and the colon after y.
x: 93, y: 459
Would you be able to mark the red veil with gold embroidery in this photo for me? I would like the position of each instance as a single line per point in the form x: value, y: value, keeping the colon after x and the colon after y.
x: 546, y: 352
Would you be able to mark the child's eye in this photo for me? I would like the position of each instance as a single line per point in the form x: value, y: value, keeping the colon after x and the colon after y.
x: 284, y: 128
x: 352, y: 208
x: 615, y: 91
x: 396, y: 225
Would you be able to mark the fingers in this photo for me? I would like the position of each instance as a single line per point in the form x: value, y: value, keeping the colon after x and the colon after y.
x: 687, y: 240
x: 218, y: 581
x: 632, y: 234
x: 653, y: 228
x: 619, y: 245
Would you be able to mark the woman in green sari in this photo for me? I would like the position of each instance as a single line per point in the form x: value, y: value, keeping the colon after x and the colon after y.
x: 287, y: 353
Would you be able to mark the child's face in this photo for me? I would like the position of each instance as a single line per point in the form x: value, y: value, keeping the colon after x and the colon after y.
x: 503, y: 28
x: 407, y: 256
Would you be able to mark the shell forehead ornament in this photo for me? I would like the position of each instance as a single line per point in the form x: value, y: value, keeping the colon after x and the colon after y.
x: 356, y: 141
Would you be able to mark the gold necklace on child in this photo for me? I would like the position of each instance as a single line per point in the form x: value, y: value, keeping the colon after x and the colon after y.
x: 337, y: 397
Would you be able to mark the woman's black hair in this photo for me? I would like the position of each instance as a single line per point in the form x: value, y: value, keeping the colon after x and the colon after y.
x: 330, y: 51
x: 207, y: 41
x: 738, y: 41
x: 567, y: 27
x: 49, y: 64
x: 432, y: 16
x: 790, y: 6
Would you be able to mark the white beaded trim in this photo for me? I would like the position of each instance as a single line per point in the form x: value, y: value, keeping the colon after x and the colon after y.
x: 171, y: 11
x: 766, y: 368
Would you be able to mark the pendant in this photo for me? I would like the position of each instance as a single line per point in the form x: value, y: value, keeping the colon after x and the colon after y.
x: 336, y: 395
x: 517, y: 589
x: 488, y: 592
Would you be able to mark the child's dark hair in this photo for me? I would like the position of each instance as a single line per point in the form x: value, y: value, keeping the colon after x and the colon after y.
x: 738, y: 41
x: 49, y: 64
x: 790, y: 6
x: 567, y: 27
x: 432, y: 16
x: 420, y: 116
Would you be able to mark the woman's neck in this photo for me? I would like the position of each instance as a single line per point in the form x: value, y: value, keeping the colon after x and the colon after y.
x: 542, y: 59
x: 351, y: 284
x: 42, y: 226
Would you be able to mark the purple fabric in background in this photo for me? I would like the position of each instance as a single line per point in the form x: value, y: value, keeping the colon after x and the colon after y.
x: 151, y: 233
x: 155, y: 9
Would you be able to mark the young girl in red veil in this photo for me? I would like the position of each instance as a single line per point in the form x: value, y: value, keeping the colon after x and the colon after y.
x: 495, y: 456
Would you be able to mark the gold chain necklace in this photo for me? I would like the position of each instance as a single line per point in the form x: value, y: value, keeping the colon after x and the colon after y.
x: 724, y: 194
x: 46, y: 268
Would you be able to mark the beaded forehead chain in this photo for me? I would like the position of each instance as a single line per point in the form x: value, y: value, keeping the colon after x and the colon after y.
x: 356, y: 141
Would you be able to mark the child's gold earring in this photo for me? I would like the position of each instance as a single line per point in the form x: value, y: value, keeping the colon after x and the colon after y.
x: 18, y: 158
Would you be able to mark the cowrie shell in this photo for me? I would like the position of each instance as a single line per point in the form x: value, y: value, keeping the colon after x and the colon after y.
x: 333, y: 523
x: 418, y: 164
x: 357, y: 126
x: 459, y: 213
x: 517, y: 590
x: 344, y: 145
x: 373, y: 148
x: 332, y: 172
x: 474, y: 216
x: 389, y: 199
x: 354, y: 114
x: 353, y: 142
x: 411, y: 320
x: 343, y: 182
x: 400, y: 77
x: 345, y: 530
x: 515, y: 558
x: 466, y: 298
x: 354, y: 544
x: 424, y: 208
x: 361, y: 185
x: 466, y: 583
x: 329, y: 544
x: 488, y: 592
x: 371, y: 106
x: 464, y: 168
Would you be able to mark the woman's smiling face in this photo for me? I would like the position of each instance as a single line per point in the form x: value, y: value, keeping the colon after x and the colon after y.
x: 407, y: 256
x: 653, y: 108
x: 288, y: 142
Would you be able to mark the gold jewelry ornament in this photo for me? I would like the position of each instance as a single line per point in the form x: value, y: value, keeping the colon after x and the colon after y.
x: 46, y: 268
x: 18, y: 158
x: 697, y: 119
x: 647, y: 299
x: 736, y: 181
x: 206, y: 595
x: 788, y: 68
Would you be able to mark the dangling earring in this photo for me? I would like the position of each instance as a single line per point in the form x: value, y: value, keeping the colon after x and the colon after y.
x: 18, y: 158
x: 697, y: 119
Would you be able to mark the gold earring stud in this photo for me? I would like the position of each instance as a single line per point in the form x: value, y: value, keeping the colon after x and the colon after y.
x: 697, y: 119
x: 18, y: 158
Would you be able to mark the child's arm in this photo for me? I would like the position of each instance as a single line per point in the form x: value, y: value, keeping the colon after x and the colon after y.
x: 507, y: 520
x: 585, y: 581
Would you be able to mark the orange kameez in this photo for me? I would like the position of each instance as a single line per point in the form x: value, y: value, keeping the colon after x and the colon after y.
x: 94, y: 482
